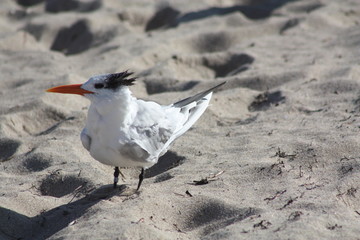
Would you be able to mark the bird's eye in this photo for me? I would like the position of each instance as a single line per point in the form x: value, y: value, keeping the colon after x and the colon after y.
x: 98, y: 85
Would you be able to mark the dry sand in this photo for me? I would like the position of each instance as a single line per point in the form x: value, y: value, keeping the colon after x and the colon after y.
x: 279, y: 145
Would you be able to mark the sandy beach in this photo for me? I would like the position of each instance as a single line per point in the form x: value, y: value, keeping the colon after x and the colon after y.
x: 275, y: 156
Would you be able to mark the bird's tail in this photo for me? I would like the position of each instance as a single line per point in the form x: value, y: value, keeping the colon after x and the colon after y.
x: 191, y: 108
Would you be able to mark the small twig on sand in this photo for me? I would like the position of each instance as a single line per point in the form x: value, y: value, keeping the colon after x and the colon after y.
x: 278, y: 193
x: 282, y: 154
x: 290, y: 201
x: 206, y: 180
x: 217, y: 174
x: 179, y: 194
x: 177, y: 228
x: 139, y: 221
x: 76, y: 191
x: 203, y: 181
x: 188, y: 193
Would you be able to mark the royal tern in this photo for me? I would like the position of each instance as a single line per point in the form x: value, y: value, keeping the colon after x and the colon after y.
x: 123, y: 131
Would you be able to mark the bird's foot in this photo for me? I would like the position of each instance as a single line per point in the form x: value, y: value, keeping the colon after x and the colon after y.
x: 116, y: 180
x: 141, y: 178
x: 116, y: 176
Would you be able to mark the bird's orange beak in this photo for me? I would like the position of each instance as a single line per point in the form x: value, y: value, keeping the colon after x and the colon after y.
x: 70, y: 89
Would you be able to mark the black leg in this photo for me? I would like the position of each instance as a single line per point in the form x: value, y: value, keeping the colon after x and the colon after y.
x: 116, y: 176
x: 141, y: 178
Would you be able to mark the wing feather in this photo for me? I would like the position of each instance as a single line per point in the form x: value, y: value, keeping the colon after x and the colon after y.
x: 155, y: 127
x: 191, y: 109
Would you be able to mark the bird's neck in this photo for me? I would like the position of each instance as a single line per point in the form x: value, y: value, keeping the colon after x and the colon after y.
x: 117, y: 108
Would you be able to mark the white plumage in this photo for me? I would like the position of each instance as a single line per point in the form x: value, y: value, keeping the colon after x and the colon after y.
x: 124, y: 131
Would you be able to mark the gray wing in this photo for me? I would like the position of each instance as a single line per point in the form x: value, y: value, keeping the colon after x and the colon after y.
x: 135, y: 152
x: 195, y: 98
x: 190, y: 109
x: 155, y: 127
x: 150, y: 131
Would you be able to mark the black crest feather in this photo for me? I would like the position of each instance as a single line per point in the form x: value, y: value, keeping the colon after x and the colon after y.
x: 115, y: 80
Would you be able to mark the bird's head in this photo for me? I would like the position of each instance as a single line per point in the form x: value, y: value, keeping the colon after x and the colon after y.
x: 98, y: 86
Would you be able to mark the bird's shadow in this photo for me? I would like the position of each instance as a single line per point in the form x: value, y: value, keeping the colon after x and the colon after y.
x: 168, y: 161
x: 14, y: 225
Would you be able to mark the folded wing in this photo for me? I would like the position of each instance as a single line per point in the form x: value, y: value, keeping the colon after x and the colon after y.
x: 164, y: 124
x: 191, y: 109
